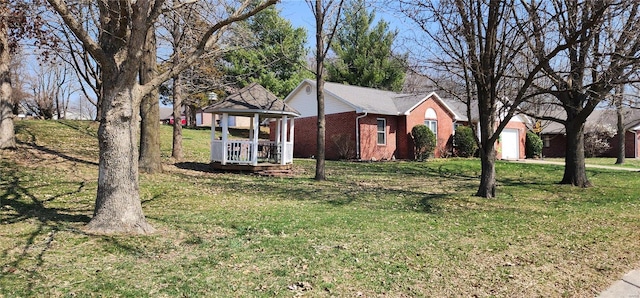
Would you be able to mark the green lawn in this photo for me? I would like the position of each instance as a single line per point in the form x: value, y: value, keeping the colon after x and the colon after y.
x: 606, y: 161
x: 398, y: 229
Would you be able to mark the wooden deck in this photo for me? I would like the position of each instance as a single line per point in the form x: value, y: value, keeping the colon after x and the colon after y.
x: 261, y: 168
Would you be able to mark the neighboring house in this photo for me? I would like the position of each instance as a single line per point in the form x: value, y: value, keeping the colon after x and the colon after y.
x: 166, y: 116
x: 555, y: 142
x: 204, y: 119
x: 371, y: 124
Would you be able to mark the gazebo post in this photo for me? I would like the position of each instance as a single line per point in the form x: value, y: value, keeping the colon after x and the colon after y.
x: 213, y: 134
x: 283, y: 142
x: 291, y: 134
x: 278, y: 124
x: 255, y: 129
x: 225, y: 133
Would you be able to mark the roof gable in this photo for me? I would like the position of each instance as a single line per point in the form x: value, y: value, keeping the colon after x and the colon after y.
x: 454, y: 114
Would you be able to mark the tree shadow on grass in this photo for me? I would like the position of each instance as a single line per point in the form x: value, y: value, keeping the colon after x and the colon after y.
x: 32, y: 143
x: 335, y: 193
x: 75, y: 124
x: 342, y: 192
x: 18, y: 203
x: 196, y: 166
x: 57, y: 153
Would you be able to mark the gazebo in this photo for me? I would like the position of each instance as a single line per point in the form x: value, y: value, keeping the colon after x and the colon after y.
x: 253, y: 154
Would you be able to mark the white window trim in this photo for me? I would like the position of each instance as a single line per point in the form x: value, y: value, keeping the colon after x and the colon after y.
x: 384, y: 131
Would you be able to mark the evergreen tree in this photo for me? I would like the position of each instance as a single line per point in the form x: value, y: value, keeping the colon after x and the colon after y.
x: 271, y: 53
x: 364, y: 54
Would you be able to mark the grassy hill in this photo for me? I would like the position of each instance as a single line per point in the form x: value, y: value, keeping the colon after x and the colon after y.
x: 373, y: 229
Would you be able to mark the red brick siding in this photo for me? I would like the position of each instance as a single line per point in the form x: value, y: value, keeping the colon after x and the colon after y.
x: 558, y: 145
x: 445, y: 126
x: 404, y: 143
x: 629, y: 146
x: 305, y: 138
x: 369, y: 147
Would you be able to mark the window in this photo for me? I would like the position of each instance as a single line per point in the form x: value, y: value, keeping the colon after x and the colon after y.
x: 430, y: 120
x: 546, y: 140
x: 382, y: 133
x: 433, y: 126
x: 455, y: 126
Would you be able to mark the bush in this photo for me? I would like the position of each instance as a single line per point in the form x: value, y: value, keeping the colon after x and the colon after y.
x: 596, y: 139
x: 344, y: 145
x: 533, y: 145
x: 424, y: 141
x: 465, y: 144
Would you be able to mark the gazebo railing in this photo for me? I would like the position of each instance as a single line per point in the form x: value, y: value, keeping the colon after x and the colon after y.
x: 241, y: 152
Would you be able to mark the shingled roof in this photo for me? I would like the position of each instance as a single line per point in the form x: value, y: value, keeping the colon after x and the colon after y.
x: 381, y: 102
x: 250, y: 100
x: 599, y: 116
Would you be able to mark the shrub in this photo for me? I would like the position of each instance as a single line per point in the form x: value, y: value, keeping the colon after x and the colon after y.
x: 424, y: 141
x: 533, y: 145
x: 464, y: 142
x: 344, y: 145
x: 596, y: 139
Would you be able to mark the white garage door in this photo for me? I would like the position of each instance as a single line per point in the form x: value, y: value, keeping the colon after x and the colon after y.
x: 510, y: 145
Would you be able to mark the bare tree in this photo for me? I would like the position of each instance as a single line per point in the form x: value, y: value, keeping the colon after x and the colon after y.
x: 184, y: 27
x: 7, y: 134
x: 479, y: 53
x: 123, y: 29
x: 325, y: 30
x: 15, y: 24
x: 149, y: 160
x: 51, y: 91
x: 19, y: 82
x: 618, y: 99
x: 605, y: 56
x: 70, y: 50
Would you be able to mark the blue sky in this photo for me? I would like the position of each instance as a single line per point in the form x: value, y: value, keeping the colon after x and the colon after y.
x: 300, y: 15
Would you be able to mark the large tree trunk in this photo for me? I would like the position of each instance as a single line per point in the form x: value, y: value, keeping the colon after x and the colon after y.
x: 487, y: 187
x: 118, y: 208
x: 7, y: 133
x: 320, y: 139
x: 487, y: 137
x: 176, y: 152
x: 574, y: 170
x: 320, y: 148
x: 150, y: 158
x: 621, y: 154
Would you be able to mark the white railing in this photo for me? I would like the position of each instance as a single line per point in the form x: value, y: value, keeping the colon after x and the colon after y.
x: 240, y: 152
x: 216, y: 150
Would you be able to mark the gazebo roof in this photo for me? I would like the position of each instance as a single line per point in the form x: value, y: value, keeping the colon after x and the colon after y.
x: 250, y: 100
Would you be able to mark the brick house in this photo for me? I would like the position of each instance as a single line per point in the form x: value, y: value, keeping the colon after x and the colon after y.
x: 555, y: 142
x: 370, y: 124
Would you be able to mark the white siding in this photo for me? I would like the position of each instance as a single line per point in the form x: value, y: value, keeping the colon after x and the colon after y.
x: 516, y: 118
x: 306, y: 104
